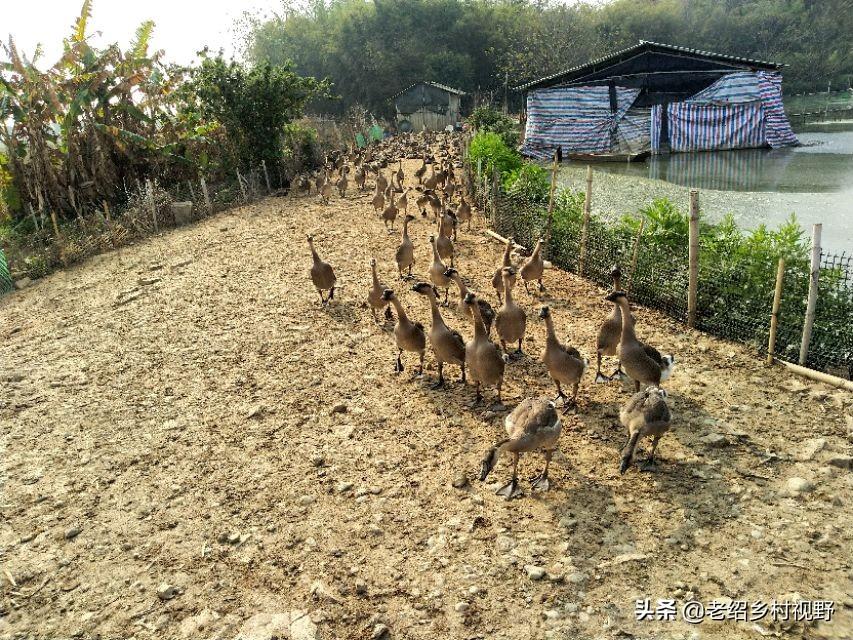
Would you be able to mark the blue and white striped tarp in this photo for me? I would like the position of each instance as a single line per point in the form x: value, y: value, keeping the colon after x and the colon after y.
x: 776, y: 123
x: 735, y: 88
x: 702, y: 127
x: 576, y: 119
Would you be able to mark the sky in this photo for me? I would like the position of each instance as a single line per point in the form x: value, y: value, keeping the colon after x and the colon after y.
x: 182, y: 26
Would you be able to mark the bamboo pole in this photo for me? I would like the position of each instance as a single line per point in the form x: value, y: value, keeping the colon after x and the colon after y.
x: 266, y: 176
x: 551, y: 201
x: 587, y: 212
x: 149, y: 190
x: 774, y: 314
x: 500, y: 238
x: 693, y: 259
x: 242, y: 187
x: 205, y: 194
x: 812, y: 303
x: 635, y: 254
x: 819, y: 376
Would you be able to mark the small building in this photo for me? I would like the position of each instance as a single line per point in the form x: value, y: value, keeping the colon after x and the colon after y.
x: 427, y: 106
x: 657, y: 98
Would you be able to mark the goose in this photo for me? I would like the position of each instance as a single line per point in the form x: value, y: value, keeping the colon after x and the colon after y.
x: 360, y: 178
x: 498, y: 278
x: 405, y: 255
x: 322, y: 275
x: 642, y: 363
x: 485, y: 364
x: 400, y: 175
x: 378, y: 202
x: 326, y: 192
x: 532, y: 426
x: 565, y: 364
x: 437, y: 269
x: 403, y: 202
x: 443, y: 243
x: 390, y: 214
x: 408, y: 335
x: 422, y: 201
x: 511, y: 321
x: 420, y: 171
x: 486, y: 310
x: 374, y: 296
x: 342, y: 184
x: 381, y: 182
x: 609, y: 333
x: 534, y: 267
x: 644, y: 414
x: 320, y: 181
x: 463, y: 212
x: 447, y: 344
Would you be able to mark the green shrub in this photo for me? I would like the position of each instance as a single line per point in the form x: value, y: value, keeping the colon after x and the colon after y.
x: 529, y: 181
x: 494, y: 154
x: 487, y: 119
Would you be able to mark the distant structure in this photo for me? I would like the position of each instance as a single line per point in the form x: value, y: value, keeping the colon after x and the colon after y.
x: 427, y: 106
x: 656, y: 98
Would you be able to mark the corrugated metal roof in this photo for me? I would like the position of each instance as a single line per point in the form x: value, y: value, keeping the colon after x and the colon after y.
x: 437, y: 85
x: 648, y: 44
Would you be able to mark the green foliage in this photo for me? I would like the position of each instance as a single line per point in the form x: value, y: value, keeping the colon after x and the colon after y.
x: 665, y: 225
x: 371, y: 50
x: 494, y: 153
x: 253, y: 103
x: 530, y: 181
x: 486, y: 118
x: 301, y: 148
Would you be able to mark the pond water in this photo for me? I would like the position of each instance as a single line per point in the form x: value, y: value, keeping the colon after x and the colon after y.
x: 813, y: 181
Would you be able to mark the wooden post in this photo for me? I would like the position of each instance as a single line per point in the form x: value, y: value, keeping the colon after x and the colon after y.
x: 266, y: 176
x: 55, y: 223
x: 693, y: 259
x: 774, y: 314
x: 587, y: 212
x: 812, y: 303
x: 149, y: 190
x: 551, y: 201
x: 635, y: 254
x: 205, y: 194
x: 242, y: 187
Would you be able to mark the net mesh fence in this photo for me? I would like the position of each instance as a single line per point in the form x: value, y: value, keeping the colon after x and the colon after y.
x: 734, y: 295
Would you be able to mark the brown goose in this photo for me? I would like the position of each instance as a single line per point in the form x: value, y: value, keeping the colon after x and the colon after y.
x: 532, y: 426
x: 645, y: 414
x: 642, y: 363
x: 374, y: 296
x: 378, y: 201
x: 408, y: 335
x: 485, y: 364
x: 610, y: 332
x: 390, y: 214
x: 565, y: 364
x: 405, y: 255
x: 437, y: 269
x: 534, y: 267
x: 322, y: 274
x: 486, y: 310
x: 510, y: 321
x: 498, y: 278
x: 443, y: 243
x: 463, y: 212
x: 381, y: 182
x: 447, y: 344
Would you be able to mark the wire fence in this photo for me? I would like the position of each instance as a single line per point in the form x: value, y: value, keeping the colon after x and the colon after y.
x: 146, y: 207
x: 734, y: 294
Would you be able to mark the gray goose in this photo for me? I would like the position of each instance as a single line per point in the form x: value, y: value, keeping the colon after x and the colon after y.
x: 565, y: 364
x: 532, y: 426
x: 644, y: 414
x: 485, y: 364
x: 322, y: 275
x: 447, y: 344
x: 408, y: 335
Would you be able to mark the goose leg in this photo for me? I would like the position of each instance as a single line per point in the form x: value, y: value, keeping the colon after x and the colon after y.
x: 462, y: 380
x: 440, y: 383
x: 421, y: 367
x: 519, y: 351
x: 322, y: 298
x: 618, y: 374
x: 540, y: 482
x: 560, y: 394
x: 331, y: 294
x: 541, y: 286
x: 510, y: 490
x: 569, y: 404
x: 398, y: 367
x: 525, y: 286
x: 479, y: 396
x: 649, y: 463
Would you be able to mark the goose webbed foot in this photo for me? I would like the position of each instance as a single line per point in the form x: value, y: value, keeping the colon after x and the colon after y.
x: 541, y: 286
x: 398, y: 366
x: 438, y: 384
x: 510, y: 490
x: 648, y: 465
x: 600, y: 377
x: 618, y: 375
x: 541, y: 482
x: 569, y: 406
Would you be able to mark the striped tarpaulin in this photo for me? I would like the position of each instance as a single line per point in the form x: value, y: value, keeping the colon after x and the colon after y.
x: 778, y: 128
x: 576, y: 119
x: 699, y: 127
x: 657, y: 117
x: 734, y: 88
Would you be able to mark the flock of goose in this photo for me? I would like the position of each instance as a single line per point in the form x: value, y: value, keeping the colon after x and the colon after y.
x: 534, y: 425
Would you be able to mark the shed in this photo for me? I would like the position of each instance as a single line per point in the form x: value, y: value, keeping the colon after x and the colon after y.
x: 657, y: 98
x: 427, y: 106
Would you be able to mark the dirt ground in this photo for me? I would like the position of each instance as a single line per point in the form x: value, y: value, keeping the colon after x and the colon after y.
x: 190, y: 441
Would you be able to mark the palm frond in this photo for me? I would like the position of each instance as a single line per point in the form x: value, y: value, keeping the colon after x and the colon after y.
x: 139, y: 44
x: 79, y: 33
